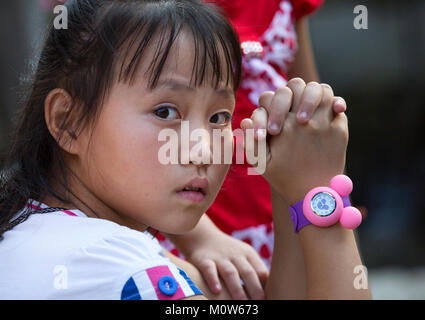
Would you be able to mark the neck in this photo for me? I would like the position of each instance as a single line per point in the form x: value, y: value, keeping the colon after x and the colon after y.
x: 80, y: 197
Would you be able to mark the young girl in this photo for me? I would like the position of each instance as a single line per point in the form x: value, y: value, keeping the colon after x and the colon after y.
x: 84, y: 183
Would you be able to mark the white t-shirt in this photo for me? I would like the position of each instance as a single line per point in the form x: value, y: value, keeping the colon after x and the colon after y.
x: 67, y: 255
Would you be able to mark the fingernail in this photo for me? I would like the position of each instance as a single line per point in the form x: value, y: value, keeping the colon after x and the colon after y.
x: 274, y: 127
x: 303, y: 115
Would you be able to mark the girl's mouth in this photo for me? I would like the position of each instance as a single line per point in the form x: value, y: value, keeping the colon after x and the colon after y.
x: 191, y: 195
x: 195, y: 190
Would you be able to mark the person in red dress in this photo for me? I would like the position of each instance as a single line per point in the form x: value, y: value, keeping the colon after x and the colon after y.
x: 276, y: 47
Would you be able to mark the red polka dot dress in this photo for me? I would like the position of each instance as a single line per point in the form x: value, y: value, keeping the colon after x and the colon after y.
x: 269, y: 43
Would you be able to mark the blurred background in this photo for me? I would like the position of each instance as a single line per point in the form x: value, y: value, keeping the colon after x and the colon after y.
x: 381, y: 74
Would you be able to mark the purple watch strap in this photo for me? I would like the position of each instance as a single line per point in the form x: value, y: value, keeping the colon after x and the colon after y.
x: 297, y: 215
x: 346, y: 201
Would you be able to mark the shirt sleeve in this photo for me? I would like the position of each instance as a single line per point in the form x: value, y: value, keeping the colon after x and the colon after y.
x: 304, y: 8
x: 128, y: 265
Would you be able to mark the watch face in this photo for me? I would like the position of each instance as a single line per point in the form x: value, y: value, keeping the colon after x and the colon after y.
x: 323, y: 204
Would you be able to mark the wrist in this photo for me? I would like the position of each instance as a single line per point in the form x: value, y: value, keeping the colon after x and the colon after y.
x: 298, y: 194
x: 325, y: 206
x: 337, y: 253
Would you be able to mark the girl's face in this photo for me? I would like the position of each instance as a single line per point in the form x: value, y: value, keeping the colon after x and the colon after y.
x: 120, y: 176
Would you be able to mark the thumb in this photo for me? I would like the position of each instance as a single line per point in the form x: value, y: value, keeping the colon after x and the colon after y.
x: 256, y: 149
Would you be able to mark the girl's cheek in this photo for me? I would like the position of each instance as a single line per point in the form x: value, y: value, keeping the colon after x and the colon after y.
x: 219, y: 172
x: 127, y: 146
x: 144, y: 149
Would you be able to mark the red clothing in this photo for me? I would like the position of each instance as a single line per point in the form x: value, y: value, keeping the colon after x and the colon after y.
x: 243, y: 206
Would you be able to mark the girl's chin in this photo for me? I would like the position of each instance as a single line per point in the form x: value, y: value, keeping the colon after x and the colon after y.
x: 181, y: 225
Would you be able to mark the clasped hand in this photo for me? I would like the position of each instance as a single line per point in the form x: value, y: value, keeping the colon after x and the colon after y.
x: 306, y: 131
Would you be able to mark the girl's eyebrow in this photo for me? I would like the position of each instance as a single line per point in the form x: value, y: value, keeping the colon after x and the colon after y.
x: 176, y: 85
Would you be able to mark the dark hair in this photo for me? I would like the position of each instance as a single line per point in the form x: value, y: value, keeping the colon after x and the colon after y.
x: 86, y: 59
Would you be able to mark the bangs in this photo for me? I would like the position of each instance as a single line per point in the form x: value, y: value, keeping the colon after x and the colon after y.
x: 215, y: 41
x: 106, y: 42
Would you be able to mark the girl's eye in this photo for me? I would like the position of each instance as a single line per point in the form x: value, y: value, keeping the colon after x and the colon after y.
x: 222, y: 118
x: 167, y: 113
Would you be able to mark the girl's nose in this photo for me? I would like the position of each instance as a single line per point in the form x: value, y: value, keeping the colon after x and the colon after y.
x: 200, y: 147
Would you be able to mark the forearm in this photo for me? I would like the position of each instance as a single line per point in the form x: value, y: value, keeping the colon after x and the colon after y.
x: 316, y: 263
x: 287, y: 275
x: 331, y: 256
x: 195, y: 275
x: 203, y: 230
x: 304, y: 65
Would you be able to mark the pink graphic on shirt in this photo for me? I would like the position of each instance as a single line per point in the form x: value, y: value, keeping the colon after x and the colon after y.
x: 155, y: 274
x: 28, y: 205
x: 69, y: 213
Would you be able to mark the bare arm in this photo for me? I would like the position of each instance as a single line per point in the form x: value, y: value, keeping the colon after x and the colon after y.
x: 287, y: 278
x: 330, y: 256
x: 313, y: 250
x: 289, y: 267
x: 304, y: 65
x: 204, y: 230
x: 304, y: 156
x: 222, y: 259
x: 197, y: 278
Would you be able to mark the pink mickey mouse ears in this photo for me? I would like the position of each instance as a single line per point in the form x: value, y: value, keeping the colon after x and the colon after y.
x: 342, y: 184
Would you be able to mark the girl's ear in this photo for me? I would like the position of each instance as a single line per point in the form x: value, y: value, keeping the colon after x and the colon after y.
x: 57, y: 107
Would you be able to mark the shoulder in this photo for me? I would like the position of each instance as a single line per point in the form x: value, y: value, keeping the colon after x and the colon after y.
x: 87, y: 258
x: 64, y: 234
x: 83, y: 231
x: 116, y: 262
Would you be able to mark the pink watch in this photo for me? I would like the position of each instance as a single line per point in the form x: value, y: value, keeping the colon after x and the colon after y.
x: 325, y: 206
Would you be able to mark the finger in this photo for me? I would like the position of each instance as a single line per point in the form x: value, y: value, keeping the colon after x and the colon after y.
x: 265, y: 99
x: 324, y: 112
x: 311, y: 98
x: 249, y: 276
x: 279, y: 108
x: 246, y: 124
x: 297, y: 86
x: 239, y: 144
x: 341, y: 121
x: 259, y: 119
x: 230, y: 276
x: 339, y: 105
x: 209, y: 271
x: 252, y: 146
x: 260, y: 268
x: 249, y: 142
